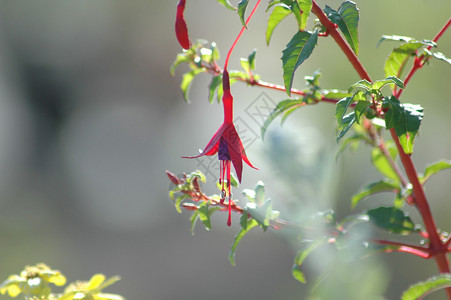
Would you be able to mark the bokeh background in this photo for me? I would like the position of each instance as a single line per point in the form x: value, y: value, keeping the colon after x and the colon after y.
x: 90, y: 119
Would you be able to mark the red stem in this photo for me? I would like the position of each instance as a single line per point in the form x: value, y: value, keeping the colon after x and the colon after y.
x: 412, y: 249
x: 437, y: 248
x: 331, y: 28
x: 420, y: 61
x: 239, y: 34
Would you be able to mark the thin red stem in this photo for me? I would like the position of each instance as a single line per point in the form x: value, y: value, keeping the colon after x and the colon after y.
x: 331, y: 28
x: 437, y: 248
x: 239, y: 34
x: 406, y: 248
x: 282, y: 89
x: 420, y: 61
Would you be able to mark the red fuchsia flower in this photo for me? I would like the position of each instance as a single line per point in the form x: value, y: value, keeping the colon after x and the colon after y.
x: 227, y: 144
x: 181, y: 30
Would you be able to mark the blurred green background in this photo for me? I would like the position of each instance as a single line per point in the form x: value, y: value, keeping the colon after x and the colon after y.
x: 90, y: 119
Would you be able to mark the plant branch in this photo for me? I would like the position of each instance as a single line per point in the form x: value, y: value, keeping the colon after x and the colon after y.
x: 437, y: 249
x: 332, y: 29
x: 239, y: 34
x: 406, y: 248
x: 420, y: 61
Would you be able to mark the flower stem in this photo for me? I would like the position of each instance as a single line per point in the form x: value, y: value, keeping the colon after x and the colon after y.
x: 239, y: 34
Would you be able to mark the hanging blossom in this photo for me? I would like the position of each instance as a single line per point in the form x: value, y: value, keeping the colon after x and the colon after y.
x: 181, y: 30
x: 227, y: 144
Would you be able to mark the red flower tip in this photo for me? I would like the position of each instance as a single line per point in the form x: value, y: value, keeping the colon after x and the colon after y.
x: 181, y: 30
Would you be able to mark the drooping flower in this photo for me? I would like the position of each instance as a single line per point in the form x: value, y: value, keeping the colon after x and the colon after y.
x: 181, y: 30
x: 227, y: 144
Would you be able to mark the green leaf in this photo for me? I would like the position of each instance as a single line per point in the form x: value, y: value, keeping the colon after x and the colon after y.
x: 301, y: 10
x: 434, y: 169
x: 361, y: 84
x: 180, y: 58
x: 250, y: 223
x: 251, y: 59
x: 260, y: 193
x: 277, y: 15
x: 179, y: 200
x: 346, y: 124
x: 227, y: 4
x: 361, y: 110
x: 301, y: 256
x: 347, y: 19
x: 341, y: 108
x: 391, y: 219
x: 262, y: 214
x: 397, y: 38
x: 214, y: 52
x: 424, y: 288
x: 405, y: 118
x: 193, y: 219
x: 186, y: 82
x: 398, y: 58
x: 378, y: 84
x: 213, y: 86
x: 204, y: 215
x: 298, y: 50
x: 336, y: 94
x: 373, y: 188
x: 242, y: 11
x: 441, y: 56
x: 281, y: 107
x: 405, y: 39
x: 382, y: 163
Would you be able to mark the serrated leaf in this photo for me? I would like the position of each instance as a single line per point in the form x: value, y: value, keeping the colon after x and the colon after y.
x: 242, y: 5
x: 361, y: 84
x: 378, y: 84
x: 341, y: 108
x: 424, y: 288
x: 301, y: 256
x: 251, y: 223
x: 441, y: 56
x: 213, y: 86
x: 398, y: 58
x: 186, y: 82
x: 391, y: 219
x: 262, y: 214
x: 405, y: 39
x: 361, y: 109
x: 397, y: 38
x: 405, y: 118
x: 277, y: 15
x: 382, y: 164
x: 298, y: 50
x: 347, y: 19
x: 301, y: 10
x: 373, y: 188
x: 227, y: 4
x: 280, y: 108
x: 434, y: 169
x: 346, y: 124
